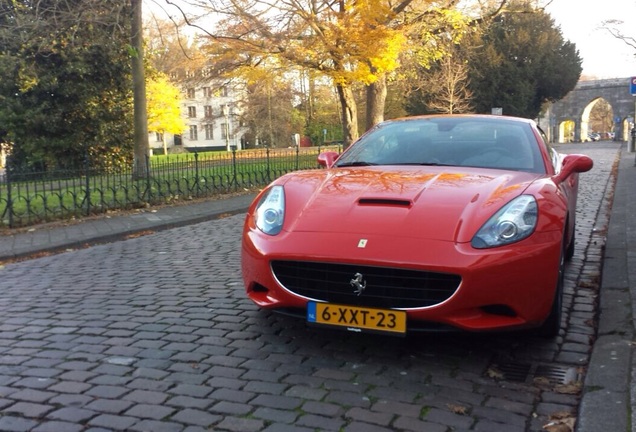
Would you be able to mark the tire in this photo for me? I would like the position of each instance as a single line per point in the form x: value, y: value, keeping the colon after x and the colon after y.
x: 552, y: 325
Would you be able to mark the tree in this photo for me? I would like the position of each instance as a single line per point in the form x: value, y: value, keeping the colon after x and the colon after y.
x: 140, y: 114
x: 324, y: 125
x: 65, y: 87
x: 451, y: 95
x: 617, y: 29
x: 522, y: 62
x: 428, y: 27
x: 348, y: 41
x: 172, y: 52
x: 442, y: 87
x: 269, y: 113
x: 432, y: 29
x: 601, y: 117
x: 164, y: 111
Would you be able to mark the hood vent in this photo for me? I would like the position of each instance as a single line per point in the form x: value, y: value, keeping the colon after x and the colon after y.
x: 384, y: 202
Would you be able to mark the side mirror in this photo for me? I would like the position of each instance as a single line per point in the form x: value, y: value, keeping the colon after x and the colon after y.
x: 327, y: 159
x: 573, y: 163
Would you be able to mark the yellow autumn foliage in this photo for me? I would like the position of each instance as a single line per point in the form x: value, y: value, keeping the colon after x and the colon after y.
x: 164, y: 113
x: 349, y: 41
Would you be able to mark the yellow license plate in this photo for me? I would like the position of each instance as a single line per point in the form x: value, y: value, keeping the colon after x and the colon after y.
x: 357, y: 318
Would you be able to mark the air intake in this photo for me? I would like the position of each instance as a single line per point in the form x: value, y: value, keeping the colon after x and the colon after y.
x: 384, y: 202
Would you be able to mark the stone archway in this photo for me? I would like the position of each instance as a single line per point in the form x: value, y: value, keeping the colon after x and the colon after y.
x: 602, y: 120
x: 577, y: 105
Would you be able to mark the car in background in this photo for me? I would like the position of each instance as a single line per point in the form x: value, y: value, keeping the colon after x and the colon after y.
x: 432, y: 223
x: 594, y: 136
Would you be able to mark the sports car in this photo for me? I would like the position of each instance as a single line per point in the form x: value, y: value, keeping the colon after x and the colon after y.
x: 441, y: 222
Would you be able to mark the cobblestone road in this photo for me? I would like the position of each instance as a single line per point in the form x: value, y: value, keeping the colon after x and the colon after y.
x: 154, y: 334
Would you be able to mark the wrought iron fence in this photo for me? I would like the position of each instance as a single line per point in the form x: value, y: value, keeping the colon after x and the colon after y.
x: 27, y: 198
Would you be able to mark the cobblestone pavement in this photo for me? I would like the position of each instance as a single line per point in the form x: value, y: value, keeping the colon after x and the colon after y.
x: 154, y: 334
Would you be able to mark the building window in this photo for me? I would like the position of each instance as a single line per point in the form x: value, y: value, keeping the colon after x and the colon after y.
x: 209, y: 131
x: 192, y: 111
x: 207, y: 111
x: 190, y: 93
x: 159, y: 136
x: 189, y: 73
x: 193, y: 133
x: 223, y: 91
x: 207, y: 92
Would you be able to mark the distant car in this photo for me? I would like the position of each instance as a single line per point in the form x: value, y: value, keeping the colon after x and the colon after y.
x: 594, y: 136
x: 425, y: 223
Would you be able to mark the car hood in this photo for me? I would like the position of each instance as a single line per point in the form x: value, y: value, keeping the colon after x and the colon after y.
x: 419, y: 202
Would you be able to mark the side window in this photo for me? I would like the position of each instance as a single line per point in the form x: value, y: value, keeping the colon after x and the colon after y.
x: 543, y: 135
x: 555, y: 159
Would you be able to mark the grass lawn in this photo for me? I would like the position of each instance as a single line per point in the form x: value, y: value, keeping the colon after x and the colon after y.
x: 171, y: 178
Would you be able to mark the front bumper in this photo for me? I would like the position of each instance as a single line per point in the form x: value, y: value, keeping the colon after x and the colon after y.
x: 505, y: 288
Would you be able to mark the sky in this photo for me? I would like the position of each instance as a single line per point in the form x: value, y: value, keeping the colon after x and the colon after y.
x: 603, y: 55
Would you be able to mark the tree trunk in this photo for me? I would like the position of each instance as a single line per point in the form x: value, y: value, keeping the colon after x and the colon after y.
x: 141, y: 144
x: 376, y: 99
x: 349, y: 114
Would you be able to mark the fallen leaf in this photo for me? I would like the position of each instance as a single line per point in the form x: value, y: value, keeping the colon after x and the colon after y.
x: 560, y: 415
x: 570, y: 388
x: 495, y: 373
x: 557, y: 427
x: 542, y: 382
x: 562, y: 421
x: 139, y: 234
x: 457, y: 409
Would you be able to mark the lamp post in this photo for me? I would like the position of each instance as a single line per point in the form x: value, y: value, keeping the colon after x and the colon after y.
x: 631, y: 144
x: 226, y: 114
x: 631, y: 147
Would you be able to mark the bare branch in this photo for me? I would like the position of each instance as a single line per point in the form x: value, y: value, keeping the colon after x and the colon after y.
x: 614, y: 28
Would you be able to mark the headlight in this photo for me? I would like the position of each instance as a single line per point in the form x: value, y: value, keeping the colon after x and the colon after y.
x: 270, y: 211
x: 515, y: 221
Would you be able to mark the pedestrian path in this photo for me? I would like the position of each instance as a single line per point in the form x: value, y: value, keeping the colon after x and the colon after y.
x: 609, y: 393
x: 107, y: 228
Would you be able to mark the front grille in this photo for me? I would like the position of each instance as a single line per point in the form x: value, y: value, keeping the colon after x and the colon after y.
x: 385, y: 287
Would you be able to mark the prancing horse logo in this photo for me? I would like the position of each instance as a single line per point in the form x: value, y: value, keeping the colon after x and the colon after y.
x: 358, y: 283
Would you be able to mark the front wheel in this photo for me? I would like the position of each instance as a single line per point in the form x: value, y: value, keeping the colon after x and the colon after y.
x: 551, y: 326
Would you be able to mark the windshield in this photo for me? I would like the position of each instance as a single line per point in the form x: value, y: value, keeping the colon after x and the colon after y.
x: 483, y: 142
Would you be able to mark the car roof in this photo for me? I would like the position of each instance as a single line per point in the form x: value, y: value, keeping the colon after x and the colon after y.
x: 467, y: 116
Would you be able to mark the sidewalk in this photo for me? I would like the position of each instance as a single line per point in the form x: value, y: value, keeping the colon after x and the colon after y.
x: 609, y: 393
x: 108, y: 228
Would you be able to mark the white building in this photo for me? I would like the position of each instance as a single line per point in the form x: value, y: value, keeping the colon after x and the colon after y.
x: 212, y: 113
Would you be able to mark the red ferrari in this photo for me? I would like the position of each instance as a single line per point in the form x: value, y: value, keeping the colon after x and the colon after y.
x: 425, y: 223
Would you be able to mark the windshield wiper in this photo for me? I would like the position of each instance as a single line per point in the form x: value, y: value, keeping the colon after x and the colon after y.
x: 356, y: 163
x: 424, y: 164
